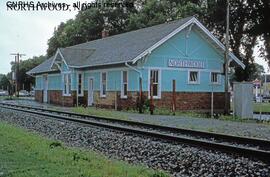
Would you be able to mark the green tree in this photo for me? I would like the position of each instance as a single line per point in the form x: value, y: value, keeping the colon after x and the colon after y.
x: 4, y: 82
x: 25, y: 80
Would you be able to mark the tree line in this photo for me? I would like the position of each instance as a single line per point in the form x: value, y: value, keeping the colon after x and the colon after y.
x: 249, y: 24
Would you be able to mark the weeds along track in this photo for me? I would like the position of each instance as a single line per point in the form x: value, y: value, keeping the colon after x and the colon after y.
x: 243, y: 146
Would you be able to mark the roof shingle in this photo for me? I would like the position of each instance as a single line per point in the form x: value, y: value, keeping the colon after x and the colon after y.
x: 113, y: 49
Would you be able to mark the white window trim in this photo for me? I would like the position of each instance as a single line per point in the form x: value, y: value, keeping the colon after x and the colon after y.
x: 122, y: 84
x: 100, y: 86
x: 82, y: 84
x: 159, y: 83
x: 199, y: 75
x: 63, y: 80
x: 218, y: 78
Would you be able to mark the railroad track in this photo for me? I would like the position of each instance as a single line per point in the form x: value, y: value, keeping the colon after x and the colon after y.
x: 243, y: 146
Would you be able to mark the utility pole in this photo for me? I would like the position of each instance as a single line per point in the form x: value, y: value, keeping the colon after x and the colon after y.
x: 17, y: 68
x: 226, y: 68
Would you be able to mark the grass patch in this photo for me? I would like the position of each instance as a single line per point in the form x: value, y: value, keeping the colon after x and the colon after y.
x: 168, y: 112
x: 264, y: 107
x: 24, y: 154
x: 100, y: 112
x: 8, y: 98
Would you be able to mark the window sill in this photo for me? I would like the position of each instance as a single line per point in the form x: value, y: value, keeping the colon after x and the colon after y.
x: 215, y: 83
x: 155, y: 97
x: 193, y: 83
x: 123, y: 97
x: 67, y: 95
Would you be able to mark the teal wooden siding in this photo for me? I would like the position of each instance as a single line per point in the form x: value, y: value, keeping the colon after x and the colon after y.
x: 194, y: 48
x: 114, y: 80
x: 39, y: 83
x: 95, y: 76
x: 55, y: 82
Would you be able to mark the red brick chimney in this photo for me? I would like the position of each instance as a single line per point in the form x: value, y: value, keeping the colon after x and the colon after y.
x: 104, y: 33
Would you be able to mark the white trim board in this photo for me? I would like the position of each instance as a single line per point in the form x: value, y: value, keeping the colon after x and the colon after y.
x: 59, y: 52
x: 122, y: 86
x: 191, y: 21
x: 180, y: 69
x: 159, y: 83
x: 82, y: 83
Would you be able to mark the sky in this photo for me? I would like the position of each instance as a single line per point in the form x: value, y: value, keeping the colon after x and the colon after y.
x: 27, y: 32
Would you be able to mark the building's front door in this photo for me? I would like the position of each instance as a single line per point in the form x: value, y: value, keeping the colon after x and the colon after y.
x: 90, y: 91
x: 45, y: 88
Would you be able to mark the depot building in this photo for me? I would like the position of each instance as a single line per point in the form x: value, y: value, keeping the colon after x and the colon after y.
x: 110, y: 72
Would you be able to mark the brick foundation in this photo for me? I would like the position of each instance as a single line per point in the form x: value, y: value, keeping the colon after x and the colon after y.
x: 56, y: 97
x: 197, y: 101
x: 186, y: 101
x: 39, y: 95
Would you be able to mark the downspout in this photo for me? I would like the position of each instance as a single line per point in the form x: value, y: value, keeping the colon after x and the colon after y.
x: 133, y: 68
x: 140, y: 85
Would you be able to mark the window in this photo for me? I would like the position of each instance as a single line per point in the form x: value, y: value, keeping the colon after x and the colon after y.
x: 103, y: 85
x: 67, y: 85
x: 154, y: 76
x: 193, y: 77
x: 80, y: 84
x: 214, y: 77
x: 124, y: 87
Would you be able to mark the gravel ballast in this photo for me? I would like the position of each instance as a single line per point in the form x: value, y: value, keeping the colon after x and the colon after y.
x: 177, y: 159
x: 247, y: 129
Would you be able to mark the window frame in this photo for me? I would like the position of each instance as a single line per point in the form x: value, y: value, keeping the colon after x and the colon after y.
x: 123, y: 84
x: 66, y: 91
x: 101, y: 84
x: 159, y: 83
x: 198, y: 77
x: 82, y: 84
x: 218, y: 77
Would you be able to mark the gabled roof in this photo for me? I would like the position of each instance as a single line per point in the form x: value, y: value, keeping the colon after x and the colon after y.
x: 130, y: 46
x: 43, y: 67
x: 81, y: 54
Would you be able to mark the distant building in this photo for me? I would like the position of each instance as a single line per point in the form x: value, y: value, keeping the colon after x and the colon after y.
x: 106, y: 72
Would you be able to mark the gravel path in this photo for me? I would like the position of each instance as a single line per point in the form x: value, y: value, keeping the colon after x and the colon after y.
x: 178, y: 159
x: 257, y: 130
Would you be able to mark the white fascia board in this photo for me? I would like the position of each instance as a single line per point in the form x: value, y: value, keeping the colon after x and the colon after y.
x: 149, y: 50
x: 59, y: 52
x: 206, y: 31
x: 112, y: 63
x: 191, y: 21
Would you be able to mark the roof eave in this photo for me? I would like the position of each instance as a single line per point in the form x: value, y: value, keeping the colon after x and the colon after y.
x: 107, y: 64
x: 180, y: 28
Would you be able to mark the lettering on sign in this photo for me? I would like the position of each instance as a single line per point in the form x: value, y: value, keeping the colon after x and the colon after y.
x: 185, y: 63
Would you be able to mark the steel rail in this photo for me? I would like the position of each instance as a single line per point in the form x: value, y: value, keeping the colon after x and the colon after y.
x: 247, y: 152
x: 202, y: 134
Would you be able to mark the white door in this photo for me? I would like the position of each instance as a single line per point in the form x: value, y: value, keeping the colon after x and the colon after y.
x: 45, y: 89
x: 90, y: 91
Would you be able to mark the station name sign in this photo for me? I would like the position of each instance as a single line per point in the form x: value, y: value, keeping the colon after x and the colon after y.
x: 178, y: 63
